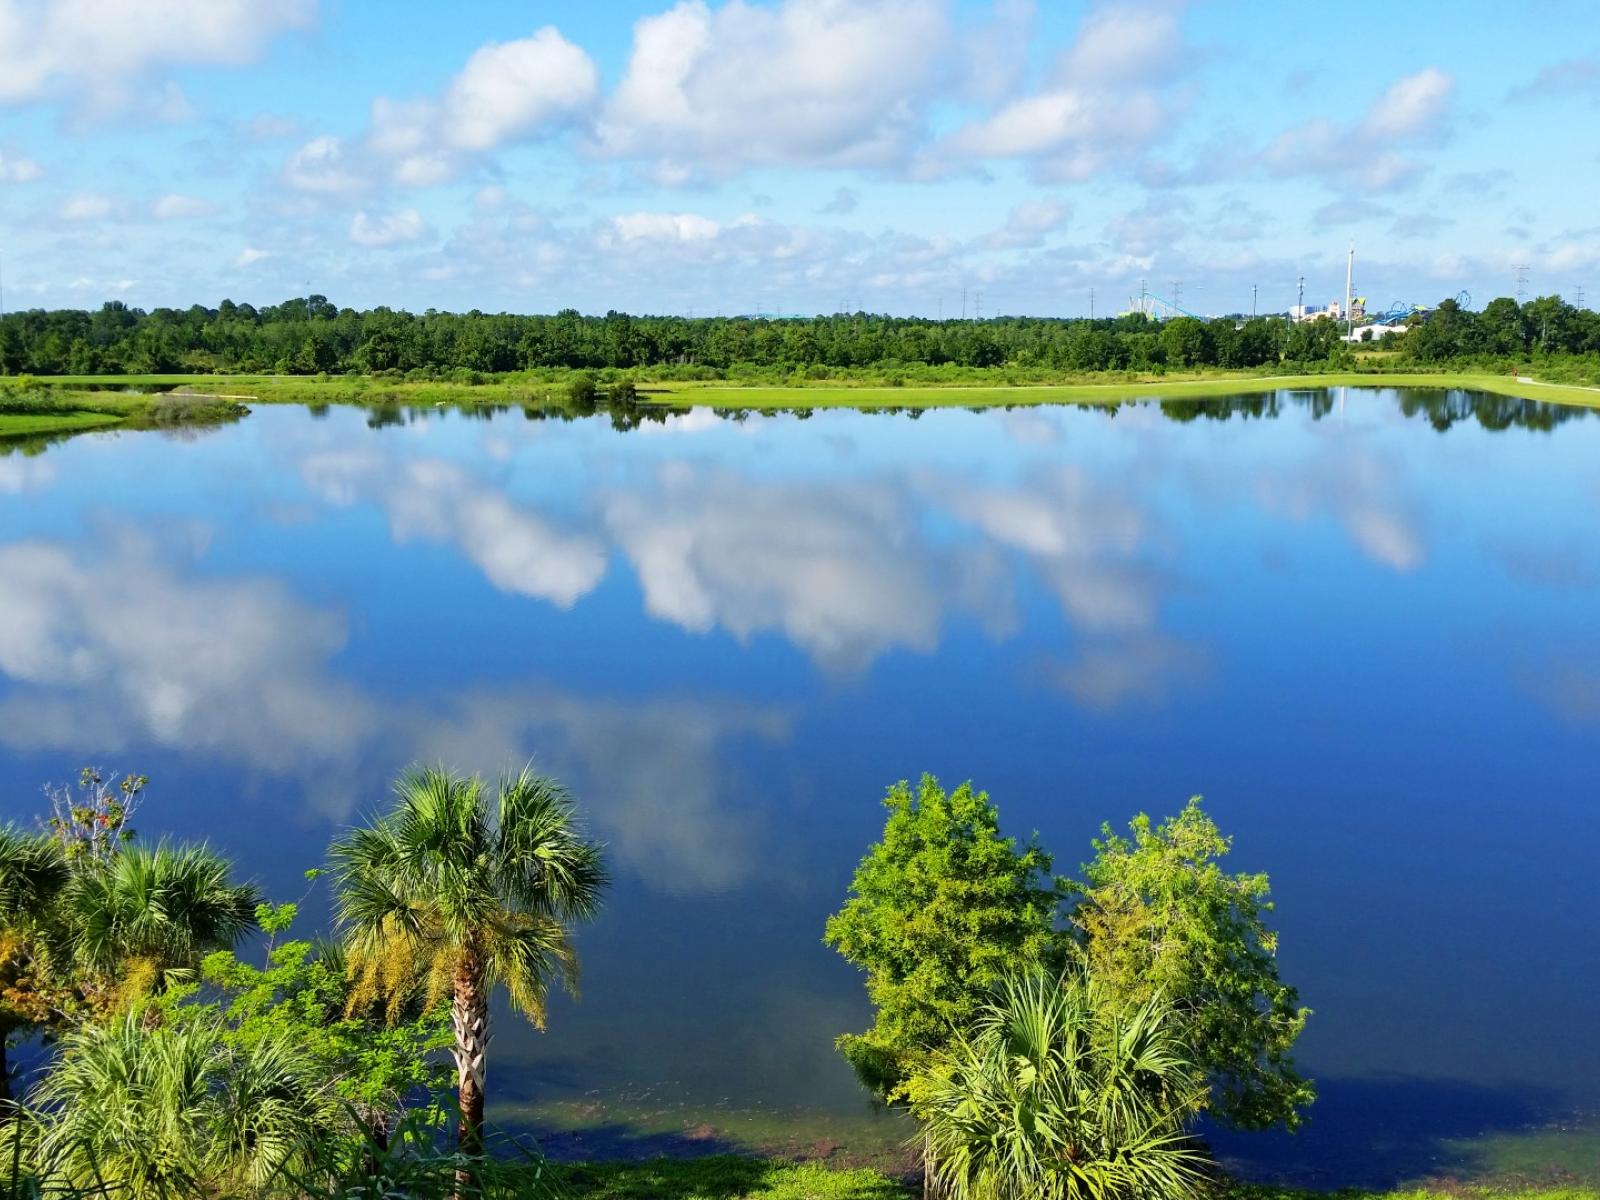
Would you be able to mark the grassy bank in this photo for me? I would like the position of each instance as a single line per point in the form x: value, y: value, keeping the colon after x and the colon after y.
x: 730, y: 1177
x: 93, y: 393
x: 69, y: 421
x: 724, y: 396
x: 35, y: 410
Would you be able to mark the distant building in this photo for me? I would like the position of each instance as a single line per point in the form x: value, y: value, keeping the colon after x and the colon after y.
x: 1373, y: 333
x: 1334, y: 310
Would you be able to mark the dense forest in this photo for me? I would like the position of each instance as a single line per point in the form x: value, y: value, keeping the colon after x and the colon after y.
x: 311, y: 336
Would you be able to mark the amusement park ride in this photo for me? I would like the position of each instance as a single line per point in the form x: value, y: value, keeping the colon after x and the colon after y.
x: 1398, y: 312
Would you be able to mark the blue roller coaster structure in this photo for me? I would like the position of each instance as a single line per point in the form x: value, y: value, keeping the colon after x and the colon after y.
x: 1397, y: 312
x: 1149, y: 300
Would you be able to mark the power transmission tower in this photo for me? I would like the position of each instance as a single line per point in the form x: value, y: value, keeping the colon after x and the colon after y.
x: 1177, y: 291
x: 1577, y: 296
x: 1300, y: 305
x: 1091, y: 302
x: 1144, y: 302
x: 963, y: 304
x: 1252, y: 302
x: 1522, y: 279
x: 978, y: 309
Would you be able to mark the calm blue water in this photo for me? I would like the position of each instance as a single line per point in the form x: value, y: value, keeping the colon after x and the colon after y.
x: 1374, y: 645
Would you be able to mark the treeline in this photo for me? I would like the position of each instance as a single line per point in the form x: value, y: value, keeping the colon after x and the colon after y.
x: 311, y: 336
x: 1052, y: 1036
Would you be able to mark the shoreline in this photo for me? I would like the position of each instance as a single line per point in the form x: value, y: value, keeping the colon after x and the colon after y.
x: 89, y: 403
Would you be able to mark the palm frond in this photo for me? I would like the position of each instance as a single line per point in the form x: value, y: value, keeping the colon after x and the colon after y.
x: 1060, y: 1093
x: 33, y: 871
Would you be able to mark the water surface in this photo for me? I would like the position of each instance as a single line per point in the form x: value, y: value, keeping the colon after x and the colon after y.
x: 1363, y: 625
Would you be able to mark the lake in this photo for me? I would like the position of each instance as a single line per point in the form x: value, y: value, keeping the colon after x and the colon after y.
x: 1365, y: 625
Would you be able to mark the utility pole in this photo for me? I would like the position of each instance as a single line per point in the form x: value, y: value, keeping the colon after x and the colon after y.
x: 1522, y: 280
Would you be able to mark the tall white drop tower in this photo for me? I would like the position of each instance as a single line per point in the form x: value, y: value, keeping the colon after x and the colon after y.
x: 1349, y: 292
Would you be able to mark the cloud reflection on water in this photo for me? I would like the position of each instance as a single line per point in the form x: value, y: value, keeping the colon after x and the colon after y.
x: 842, y: 571
x: 123, y: 646
x: 517, y: 550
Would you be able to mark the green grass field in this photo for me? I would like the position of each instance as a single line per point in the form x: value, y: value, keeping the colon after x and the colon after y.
x: 56, y: 410
x: 727, y: 396
x: 100, y: 392
x: 733, y: 1177
x: 32, y: 424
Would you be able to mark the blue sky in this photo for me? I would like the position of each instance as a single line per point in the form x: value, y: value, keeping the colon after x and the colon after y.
x: 795, y: 155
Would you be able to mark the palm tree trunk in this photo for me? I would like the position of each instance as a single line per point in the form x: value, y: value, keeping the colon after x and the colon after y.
x: 469, y: 1015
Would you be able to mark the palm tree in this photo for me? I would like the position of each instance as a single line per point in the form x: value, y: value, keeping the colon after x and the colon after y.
x: 455, y: 892
x: 175, y: 1110
x: 33, y: 870
x: 146, y: 914
x: 1061, y: 1094
x: 33, y: 873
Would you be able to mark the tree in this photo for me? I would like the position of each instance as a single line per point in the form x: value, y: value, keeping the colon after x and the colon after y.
x: 1157, y: 915
x: 303, y: 994
x: 86, y: 918
x: 1503, y: 328
x: 939, y: 911
x: 1062, y: 1092
x: 33, y: 873
x: 148, y: 915
x: 457, y: 894
x: 162, y: 1111
x: 1187, y: 342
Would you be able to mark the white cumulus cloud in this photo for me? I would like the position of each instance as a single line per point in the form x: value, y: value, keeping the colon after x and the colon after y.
x: 19, y: 170
x: 1367, y: 155
x: 97, y: 53
x: 803, y: 82
x: 173, y: 207
x: 659, y: 227
x: 1100, y: 106
x: 87, y: 206
x: 507, y: 92
x: 387, y: 229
